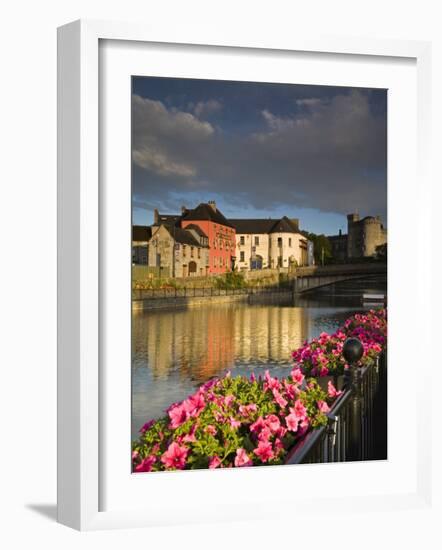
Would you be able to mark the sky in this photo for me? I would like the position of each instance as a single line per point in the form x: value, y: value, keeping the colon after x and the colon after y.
x: 260, y: 150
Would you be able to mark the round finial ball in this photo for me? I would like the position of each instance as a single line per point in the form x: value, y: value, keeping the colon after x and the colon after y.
x: 353, y: 350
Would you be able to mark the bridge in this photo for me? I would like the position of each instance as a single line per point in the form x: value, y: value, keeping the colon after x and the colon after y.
x: 309, y: 278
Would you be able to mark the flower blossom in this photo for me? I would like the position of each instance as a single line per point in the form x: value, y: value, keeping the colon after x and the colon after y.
x: 210, y: 429
x: 242, y: 458
x: 178, y: 415
x: 146, y: 464
x: 264, y: 451
x: 323, y: 407
x: 214, y: 462
x: 279, y: 399
x: 332, y: 391
x: 292, y: 422
x: 175, y: 456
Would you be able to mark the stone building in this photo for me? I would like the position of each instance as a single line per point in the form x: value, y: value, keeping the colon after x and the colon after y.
x: 219, y: 231
x: 140, y: 237
x: 269, y: 243
x: 338, y: 245
x: 179, y: 252
x: 363, y: 237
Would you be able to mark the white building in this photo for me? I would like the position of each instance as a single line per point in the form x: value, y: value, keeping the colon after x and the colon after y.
x: 269, y: 243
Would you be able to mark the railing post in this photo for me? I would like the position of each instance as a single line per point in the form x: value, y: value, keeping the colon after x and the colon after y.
x: 352, y: 352
x: 332, y: 428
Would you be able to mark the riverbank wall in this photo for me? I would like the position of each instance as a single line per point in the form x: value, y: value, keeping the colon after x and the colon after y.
x: 183, y: 302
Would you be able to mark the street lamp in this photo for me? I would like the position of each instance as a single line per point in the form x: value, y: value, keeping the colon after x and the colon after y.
x: 353, y: 351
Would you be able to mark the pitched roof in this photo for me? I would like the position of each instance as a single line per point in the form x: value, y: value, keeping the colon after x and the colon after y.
x: 205, y: 211
x: 264, y: 225
x: 284, y: 225
x: 141, y: 233
x: 169, y: 219
x: 197, y: 229
x: 182, y: 236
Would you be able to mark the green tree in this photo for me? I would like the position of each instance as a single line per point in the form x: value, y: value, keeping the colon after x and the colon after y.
x: 322, y: 249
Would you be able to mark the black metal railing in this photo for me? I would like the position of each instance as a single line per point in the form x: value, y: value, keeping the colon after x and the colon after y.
x: 357, y: 423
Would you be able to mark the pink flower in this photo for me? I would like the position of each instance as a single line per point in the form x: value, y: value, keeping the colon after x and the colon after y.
x: 265, y: 434
x: 264, y: 451
x: 146, y: 464
x: 299, y: 409
x: 292, y: 422
x: 234, y: 423
x: 278, y: 446
x: 175, y: 456
x: 214, y: 462
x: 190, y: 437
x: 279, y: 399
x: 210, y: 429
x: 194, y: 404
x: 178, y: 415
x: 245, y: 410
x: 219, y: 417
x: 323, y: 407
x: 281, y: 432
x: 291, y: 390
x: 258, y: 425
x: 242, y: 458
x: 271, y: 383
x: 135, y: 455
x: 228, y: 400
x: 332, y: 391
x: 207, y: 385
x: 273, y: 423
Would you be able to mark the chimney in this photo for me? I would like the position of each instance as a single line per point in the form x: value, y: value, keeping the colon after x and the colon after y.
x: 212, y: 204
x: 340, y: 232
x: 353, y: 217
x: 155, y: 216
x: 183, y: 209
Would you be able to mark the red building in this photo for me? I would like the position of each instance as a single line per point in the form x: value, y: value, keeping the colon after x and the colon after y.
x: 220, y: 232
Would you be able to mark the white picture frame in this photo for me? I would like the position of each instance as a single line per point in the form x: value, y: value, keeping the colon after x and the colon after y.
x: 79, y: 268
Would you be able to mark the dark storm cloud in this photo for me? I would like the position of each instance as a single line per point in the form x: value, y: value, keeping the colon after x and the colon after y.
x: 328, y: 153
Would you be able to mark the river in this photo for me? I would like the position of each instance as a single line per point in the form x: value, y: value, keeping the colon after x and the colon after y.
x: 173, y: 351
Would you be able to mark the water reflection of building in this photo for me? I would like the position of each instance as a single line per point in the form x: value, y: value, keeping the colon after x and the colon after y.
x: 268, y: 334
x: 202, y: 342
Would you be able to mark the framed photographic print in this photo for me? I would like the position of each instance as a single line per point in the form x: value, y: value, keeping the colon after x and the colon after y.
x: 225, y: 213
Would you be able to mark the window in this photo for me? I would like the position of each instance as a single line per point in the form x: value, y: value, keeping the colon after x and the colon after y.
x: 191, y: 251
x: 241, y: 240
x: 280, y: 242
x: 184, y: 250
x: 199, y: 252
x: 290, y: 242
x: 256, y: 241
x: 242, y: 256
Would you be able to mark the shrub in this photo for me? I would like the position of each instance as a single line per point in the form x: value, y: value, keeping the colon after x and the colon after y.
x: 231, y: 280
